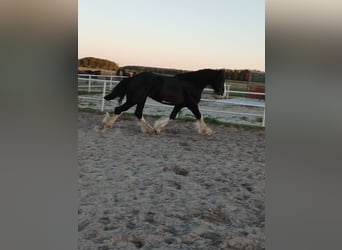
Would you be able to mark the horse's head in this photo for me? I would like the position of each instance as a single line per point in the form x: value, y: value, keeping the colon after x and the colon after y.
x: 218, y: 84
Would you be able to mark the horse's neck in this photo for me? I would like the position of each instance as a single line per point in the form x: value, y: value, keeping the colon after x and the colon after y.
x: 201, y: 83
x: 202, y: 86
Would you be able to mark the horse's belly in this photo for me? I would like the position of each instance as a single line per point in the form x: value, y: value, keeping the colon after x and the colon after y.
x: 167, y: 102
x: 170, y: 100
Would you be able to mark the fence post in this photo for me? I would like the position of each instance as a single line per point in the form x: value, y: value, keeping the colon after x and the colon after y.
x: 89, y: 82
x: 103, y: 95
x: 263, y: 119
x: 227, y: 90
x: 110, y: 84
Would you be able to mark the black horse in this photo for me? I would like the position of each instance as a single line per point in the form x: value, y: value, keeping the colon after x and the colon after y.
x: 182, y: 90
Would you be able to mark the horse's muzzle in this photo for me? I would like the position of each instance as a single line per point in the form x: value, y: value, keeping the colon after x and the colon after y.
x: 221, y: 94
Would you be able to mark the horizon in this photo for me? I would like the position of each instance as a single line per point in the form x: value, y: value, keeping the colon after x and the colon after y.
x: 146, y: 66
x: 190, y: 35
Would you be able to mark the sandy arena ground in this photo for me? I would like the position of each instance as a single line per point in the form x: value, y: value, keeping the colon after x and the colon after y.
x: 165, y: 110
x: 176, y: 190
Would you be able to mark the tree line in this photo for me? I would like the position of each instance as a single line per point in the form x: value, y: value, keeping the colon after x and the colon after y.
x: 97, y: 63
x: 156, y: 70
x: 245, y: 75
x: 234, y: 75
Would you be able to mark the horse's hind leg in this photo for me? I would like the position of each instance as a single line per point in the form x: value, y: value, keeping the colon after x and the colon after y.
x: 145, y: 127
x: 161, y: 123
x: 108, y: 121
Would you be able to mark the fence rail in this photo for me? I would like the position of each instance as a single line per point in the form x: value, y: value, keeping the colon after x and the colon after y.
x: 103, y: 85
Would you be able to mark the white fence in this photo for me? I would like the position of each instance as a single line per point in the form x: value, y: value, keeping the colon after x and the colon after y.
x: 105, y: 83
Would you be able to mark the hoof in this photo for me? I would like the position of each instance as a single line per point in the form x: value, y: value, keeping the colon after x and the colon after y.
x: 206, y: 131
x: 147, y: 130
x: 209, y: 132
x: 103, y: 127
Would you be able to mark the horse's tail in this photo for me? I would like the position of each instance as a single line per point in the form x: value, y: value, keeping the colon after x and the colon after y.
x: 120, y: 90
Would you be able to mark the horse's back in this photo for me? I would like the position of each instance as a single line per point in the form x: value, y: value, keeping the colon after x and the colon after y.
x: 141, y: 86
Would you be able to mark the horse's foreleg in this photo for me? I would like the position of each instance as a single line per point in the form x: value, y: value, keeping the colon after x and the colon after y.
x: 203, y: 128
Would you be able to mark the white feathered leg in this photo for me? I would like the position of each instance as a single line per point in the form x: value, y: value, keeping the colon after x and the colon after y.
x: 145, y: 127
x: 203, y: 128
x: 108, y: 121
x: 161, y: 123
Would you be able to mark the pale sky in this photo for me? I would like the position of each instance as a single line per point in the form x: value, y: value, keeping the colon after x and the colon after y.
x: 180, y: 34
